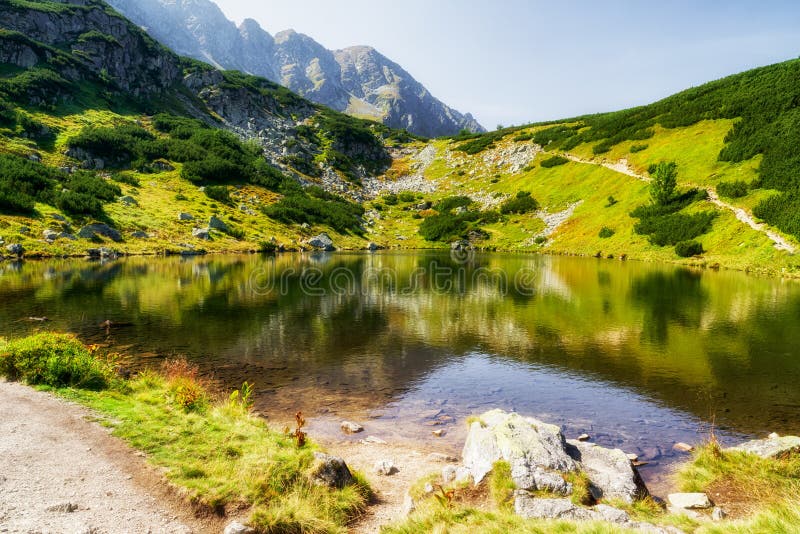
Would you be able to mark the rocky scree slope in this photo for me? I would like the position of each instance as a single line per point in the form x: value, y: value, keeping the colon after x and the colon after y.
x: 357, y: 80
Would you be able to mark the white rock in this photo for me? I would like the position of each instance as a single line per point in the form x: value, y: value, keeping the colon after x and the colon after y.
x: 682, y: 447
x: 385, y: 467
x: 718, y: 514
x: 449, y: 474
x: 373, y: 439
x: 351, y: 428
x: 691, y: 501
x: 610, y: 471
x: 238, y: 528
x: 773, y: 447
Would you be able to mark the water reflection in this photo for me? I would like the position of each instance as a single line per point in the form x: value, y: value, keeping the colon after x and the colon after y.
x: 639, y: 353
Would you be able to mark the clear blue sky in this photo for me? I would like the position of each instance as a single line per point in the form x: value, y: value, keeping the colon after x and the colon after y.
x: 517, y: 61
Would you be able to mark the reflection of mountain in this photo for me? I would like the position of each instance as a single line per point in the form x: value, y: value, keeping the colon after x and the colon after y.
x: 720, y: 341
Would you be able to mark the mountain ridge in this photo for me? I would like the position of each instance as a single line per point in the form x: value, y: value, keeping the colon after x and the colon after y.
x: 380, y: 89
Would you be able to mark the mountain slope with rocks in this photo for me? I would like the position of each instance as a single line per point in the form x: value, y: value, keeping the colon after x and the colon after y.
x: 356, y: 80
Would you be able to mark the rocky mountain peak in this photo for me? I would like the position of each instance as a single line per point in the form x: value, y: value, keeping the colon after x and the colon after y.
x: 357, y: 80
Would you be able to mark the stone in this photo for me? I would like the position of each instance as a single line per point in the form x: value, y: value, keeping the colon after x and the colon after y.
x: 218, y: 224
x: 50, y: 235
x: 773, y: 446
x: 102, y: 253
x: 682, y: 447
x: 63, y: 508
x: 348, y: 427
x: 633, y: 457
x: 385, y: 467
x: 438, y: 433
x: 373, y: 439
x: 15, y: 249
x: 138, y: 234
x: 530, y: 507
x: 408, y: 505
x: 531, y: 448
x: 449, y: 474
x: 584, y: 437
x: 463, y: 475
x: 322, y: 242
x: 90, y: 231
x: 689, y: 501
x: 674, y: 510
x: 718, y: 514
x: 25, y: 230
x: 185, y: 217
x: 460, y: 245
x: 201, y: 233
x: 372, y: 247
x: 610, y: 471
x: 330, y: 471
x: 236, y: 527
x: 128, y: 200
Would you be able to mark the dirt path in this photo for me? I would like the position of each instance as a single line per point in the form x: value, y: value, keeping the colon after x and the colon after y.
x: 622, y: 167
x: 53, y: 458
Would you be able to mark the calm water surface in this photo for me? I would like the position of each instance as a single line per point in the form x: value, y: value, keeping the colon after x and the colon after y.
x: 639, y: 356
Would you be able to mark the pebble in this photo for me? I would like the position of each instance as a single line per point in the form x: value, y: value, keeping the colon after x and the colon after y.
x: 348, y: 427
x: 385, y: 467
x: 373, y: 439
x: 438, y: 433
x: 682, y: 447
x: 584, y: 437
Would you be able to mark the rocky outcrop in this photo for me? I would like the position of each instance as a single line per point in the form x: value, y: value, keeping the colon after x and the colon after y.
x: 774, y: 446
x: 542, y: 462
x: 358, y: 79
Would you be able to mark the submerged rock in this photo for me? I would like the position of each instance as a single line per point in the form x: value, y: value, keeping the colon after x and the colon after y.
x: 348, y: 427
x: 330, y: 471
x: 774, y: 446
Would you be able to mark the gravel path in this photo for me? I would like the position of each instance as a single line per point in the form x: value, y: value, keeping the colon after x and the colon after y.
x: 62, y: 473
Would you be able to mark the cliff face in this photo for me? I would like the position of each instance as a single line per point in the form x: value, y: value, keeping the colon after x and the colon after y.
x: 83, y: 47
x: 356, y: 80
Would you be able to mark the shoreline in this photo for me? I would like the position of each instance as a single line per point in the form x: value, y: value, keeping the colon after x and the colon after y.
x: 700, y: 266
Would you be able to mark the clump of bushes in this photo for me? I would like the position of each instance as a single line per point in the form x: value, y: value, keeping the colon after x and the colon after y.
x: 453, y: 219
x: 687, y: 249
x: 54, y: 360
x: 605, y: 232
x: 316, y: 206
x: 406, y: 196
x: 638, y: 148
x: 523, y: 202
x: 219, y: 193
x: 390, y: 199
x: 735, y: 189
x: 554, y: 161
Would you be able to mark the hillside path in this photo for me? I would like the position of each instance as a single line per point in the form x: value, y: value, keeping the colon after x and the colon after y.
x: 622, y: 167
x: 53, y: 458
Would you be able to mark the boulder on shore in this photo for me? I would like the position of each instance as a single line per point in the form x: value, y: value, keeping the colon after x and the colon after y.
x: 774, y: 446
x: 330, y: 471
x: 322, y: 242
x: 611, y: 472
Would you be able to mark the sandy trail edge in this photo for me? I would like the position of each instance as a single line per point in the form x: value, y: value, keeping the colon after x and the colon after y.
x: 51, y: 453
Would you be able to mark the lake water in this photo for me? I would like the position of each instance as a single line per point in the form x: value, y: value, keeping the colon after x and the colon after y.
x: 637, y: 355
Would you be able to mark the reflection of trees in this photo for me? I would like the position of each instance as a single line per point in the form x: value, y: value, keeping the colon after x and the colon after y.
x: 675, y: 297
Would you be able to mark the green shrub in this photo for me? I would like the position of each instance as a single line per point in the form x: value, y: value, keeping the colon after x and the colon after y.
x: 23, y: 182
x: 611, y: 201
x: 673, y: 228
x: 407, y: 196
x: 687, y: 249
x: 267, y: 247
x: 554, y: 161
x: 443, y: 227
x: 125, y: 178
x: 522, y: 203
x: 390, y: 199
x: 54, y: 360
x: 638, y: 148
x: 736, y: 189
x: 315, y: 206
x: 555, y: 136
x: 540, y: 240
x: 219, y: 193
x: 605, y: 232
x: 451, y: 203
x: 665, y: 181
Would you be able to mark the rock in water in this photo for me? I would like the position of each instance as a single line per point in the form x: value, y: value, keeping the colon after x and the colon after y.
x: 689, y: 501
x: 772, y: 447
x: 322, y: 242
x: 330, y: 471
x: 348, y: 427
x: 536, y: 451
x: 610, y: 471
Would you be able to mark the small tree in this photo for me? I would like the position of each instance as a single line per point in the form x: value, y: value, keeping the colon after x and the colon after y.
x: 665, y: 175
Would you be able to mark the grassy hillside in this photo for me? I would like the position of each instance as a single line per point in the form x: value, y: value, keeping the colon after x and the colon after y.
x: 81, y: 142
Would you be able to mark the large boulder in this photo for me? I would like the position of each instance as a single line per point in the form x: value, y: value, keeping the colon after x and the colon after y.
x: 536, y: 451
x: 90, y: 231
x: 218, y: 224
x: 15, y: 249
x: 322, y: 242
x: 610, y: 471
x: 201, y: 233
x: 531, y: 507
x: 774, y: 446
x: 330, y: 471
